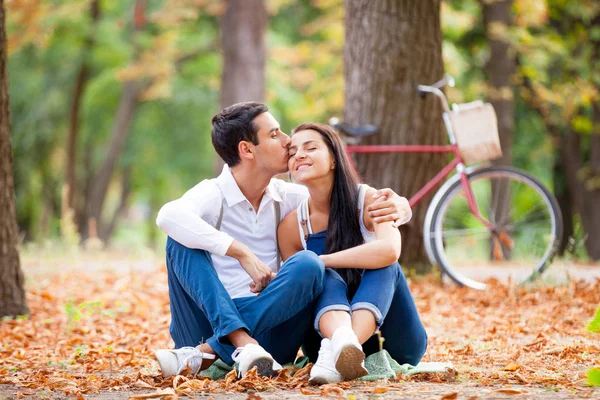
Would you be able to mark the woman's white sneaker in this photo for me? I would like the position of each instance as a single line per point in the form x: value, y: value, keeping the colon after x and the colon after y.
x: 253, y: 355
x: 348, y: 355
x: 324, y: 369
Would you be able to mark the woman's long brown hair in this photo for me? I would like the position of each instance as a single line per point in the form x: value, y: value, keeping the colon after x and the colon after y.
x: 343, y: 226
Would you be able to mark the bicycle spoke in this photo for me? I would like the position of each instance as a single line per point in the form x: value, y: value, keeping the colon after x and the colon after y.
x: 464, y: 232
x: 526, y: 214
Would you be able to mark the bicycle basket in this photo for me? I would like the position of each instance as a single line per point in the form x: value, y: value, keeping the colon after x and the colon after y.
x: 476, y: 131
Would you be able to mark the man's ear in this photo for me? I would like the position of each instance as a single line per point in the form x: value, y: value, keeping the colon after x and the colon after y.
x: 246, y: 150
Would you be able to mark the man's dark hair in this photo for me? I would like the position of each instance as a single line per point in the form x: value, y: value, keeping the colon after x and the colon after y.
x: 233, y: 125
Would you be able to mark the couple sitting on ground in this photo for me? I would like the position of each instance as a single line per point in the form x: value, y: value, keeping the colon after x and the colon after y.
x: 337, y: 245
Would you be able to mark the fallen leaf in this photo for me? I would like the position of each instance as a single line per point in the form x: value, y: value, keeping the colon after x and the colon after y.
x: 510, y: 392
x: 449, y: 396
x: 167, y: 394
x: 511, y: 367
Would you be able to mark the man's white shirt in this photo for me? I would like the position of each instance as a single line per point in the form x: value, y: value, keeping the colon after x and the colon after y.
x: 190, y: 220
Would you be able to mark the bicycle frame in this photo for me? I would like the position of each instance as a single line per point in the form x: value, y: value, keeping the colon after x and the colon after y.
x: 456, y: 163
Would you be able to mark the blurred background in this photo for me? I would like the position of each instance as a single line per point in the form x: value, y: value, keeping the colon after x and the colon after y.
x: 111, y: 101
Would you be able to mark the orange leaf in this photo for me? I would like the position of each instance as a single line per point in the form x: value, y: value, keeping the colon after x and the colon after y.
x: 450, y: 396
x: 510, y: 392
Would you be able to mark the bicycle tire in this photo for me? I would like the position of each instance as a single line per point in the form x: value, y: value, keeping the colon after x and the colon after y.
x: 437, y: 212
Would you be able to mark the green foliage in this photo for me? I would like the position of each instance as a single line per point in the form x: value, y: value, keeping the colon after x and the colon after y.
x: 594, y: 376
x: 594, y: 325
x: 594, y: 373
x: 77, y: 313
x: 169, y: 147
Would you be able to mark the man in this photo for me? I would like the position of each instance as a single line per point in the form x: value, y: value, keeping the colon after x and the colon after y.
x: 228, y: 296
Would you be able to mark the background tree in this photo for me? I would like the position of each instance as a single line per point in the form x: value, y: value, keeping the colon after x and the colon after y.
x: 499, y: 69
x: 391, y: 47
x: 12, y: 295
x: 243, y: 31
x: 560, y: 80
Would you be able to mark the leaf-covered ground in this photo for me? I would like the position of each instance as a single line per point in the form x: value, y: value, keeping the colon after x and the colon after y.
x: 96, y: 318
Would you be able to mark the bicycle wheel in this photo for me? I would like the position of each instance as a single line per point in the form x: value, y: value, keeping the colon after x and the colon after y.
x: 525, y: 213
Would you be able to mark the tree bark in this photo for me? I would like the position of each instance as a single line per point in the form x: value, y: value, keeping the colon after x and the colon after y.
x: 391, y: 47
x: 79, y: 89
x: 12, y: 294
x: 244, y: 54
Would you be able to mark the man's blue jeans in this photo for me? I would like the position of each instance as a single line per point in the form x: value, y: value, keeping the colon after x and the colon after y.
x: 279, y: 318
x: 385, y: 293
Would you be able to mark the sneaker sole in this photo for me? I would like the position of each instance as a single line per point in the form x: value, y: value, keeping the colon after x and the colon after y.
x: 320, y: 380
x: 264, y: 367
x: 317, y: 380
x: 349, y: 363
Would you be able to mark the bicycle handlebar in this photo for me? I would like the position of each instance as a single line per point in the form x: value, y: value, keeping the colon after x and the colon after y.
x: 435, y: 88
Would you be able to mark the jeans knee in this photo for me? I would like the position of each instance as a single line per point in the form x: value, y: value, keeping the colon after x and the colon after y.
x: 176, y: 250
x: 419, y: 348
x: 308, y: 269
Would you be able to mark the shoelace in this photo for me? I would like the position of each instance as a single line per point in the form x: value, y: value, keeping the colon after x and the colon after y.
x: 192, y: 357
x: 236, y: 354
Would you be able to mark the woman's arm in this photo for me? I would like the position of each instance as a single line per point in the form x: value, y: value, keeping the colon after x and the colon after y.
x: 288, y: 236
x: 379, y: 253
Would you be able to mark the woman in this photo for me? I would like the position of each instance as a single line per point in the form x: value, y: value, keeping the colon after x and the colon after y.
x: 365, y: 288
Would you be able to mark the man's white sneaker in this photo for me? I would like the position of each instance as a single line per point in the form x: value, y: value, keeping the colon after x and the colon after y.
x: 173, y: 362
x: 324, y: 369
x: 347, y: 353
x: 253, y: 355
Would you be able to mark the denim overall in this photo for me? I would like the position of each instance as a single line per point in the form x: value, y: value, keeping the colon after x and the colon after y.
x: 382, y: 291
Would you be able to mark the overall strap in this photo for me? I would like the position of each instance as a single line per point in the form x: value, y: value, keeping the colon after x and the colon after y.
x: 277, y: 208
x: 218, y: 225
x: 362, y: 191
x: 303, y: 218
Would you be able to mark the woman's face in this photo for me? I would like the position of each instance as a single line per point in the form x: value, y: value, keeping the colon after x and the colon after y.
x: 309, y: 157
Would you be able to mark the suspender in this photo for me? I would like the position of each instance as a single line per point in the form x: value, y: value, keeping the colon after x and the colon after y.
x: 277, y: 207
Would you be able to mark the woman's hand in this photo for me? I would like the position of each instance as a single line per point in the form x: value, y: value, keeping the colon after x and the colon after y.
x: 389, y: 206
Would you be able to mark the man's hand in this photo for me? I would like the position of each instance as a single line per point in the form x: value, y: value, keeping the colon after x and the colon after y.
x: 388, y: 206
x: 260, y: 273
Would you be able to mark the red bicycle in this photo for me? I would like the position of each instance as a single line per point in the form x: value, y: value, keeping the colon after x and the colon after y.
x: 483, y: 216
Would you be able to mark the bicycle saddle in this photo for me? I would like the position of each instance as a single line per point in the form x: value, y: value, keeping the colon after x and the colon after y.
x: 356, y: 131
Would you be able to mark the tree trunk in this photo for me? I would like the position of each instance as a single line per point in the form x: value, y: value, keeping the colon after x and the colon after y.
x: 107, y: 229
x: 563, y: 196
x: 244, y: 54
x: 391, y: 47
x: 497, y: 18
x: 12, y: 294
x: 125, y: 113
x: 590, y: 216
x: 78, y: 92
x: 499, y: 69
